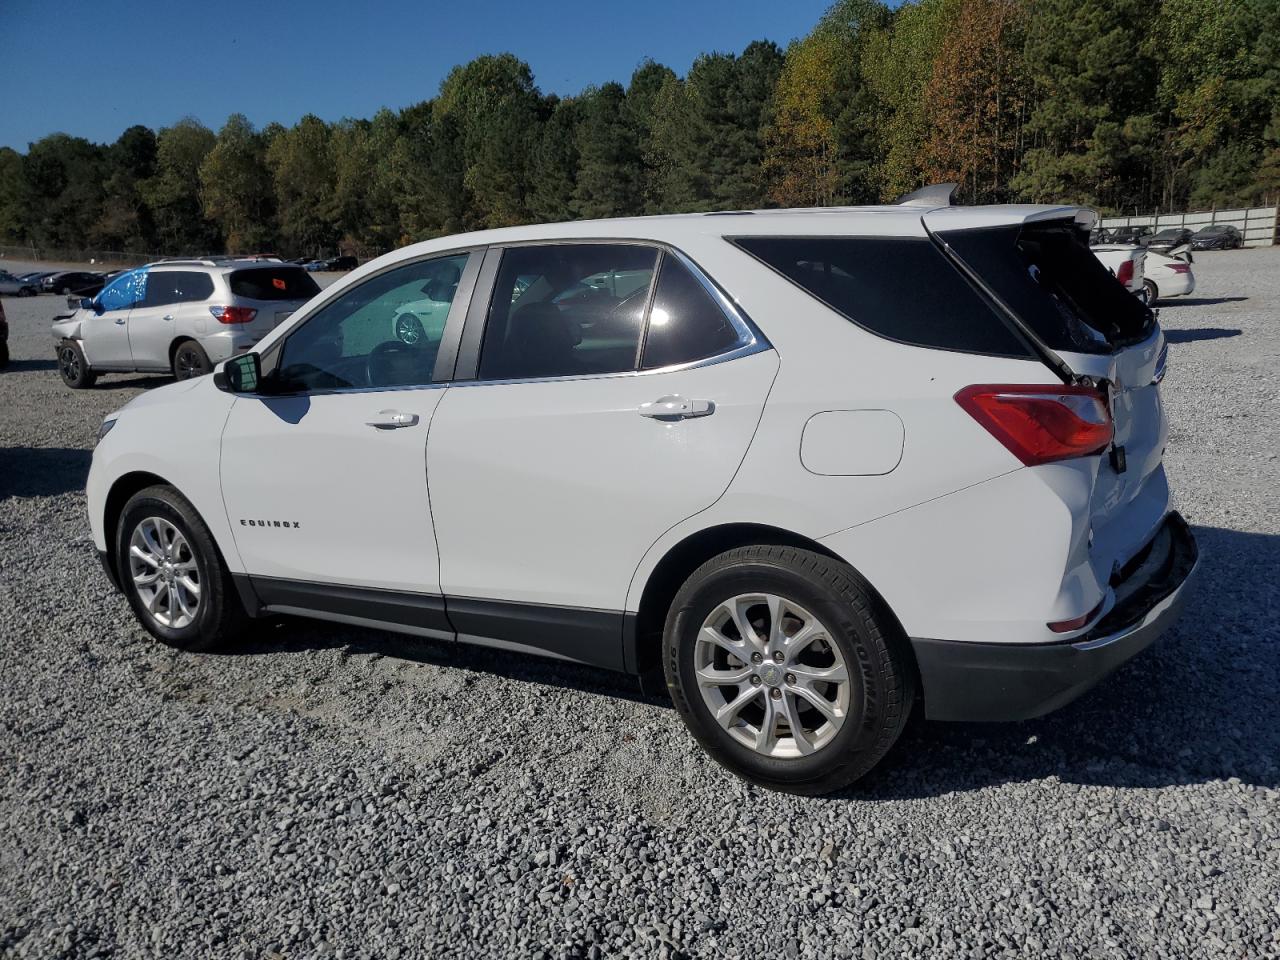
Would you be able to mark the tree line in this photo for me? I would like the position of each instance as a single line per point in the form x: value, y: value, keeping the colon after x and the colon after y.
x: 1124, y: 105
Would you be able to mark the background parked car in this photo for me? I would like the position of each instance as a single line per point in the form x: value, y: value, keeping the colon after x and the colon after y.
x: 11, y: 286
x: 1126, y: 265
x: 343, y: 263
x: 1218, y: 236
x: 1167, y: 275
x: 1132, y: 234
x: 1168, y: 238
x: 179, y: 316
x: 73, y: 283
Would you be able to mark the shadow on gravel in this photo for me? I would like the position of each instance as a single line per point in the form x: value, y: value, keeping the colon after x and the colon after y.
x: 134, y: 383
x: 1199, y: 333
x: 1199, y: 705
x: 297, y: 634
x: 1199, y: 301
x: 22, y: 366
x: 42, y: 471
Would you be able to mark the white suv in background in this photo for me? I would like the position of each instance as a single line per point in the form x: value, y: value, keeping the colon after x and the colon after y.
x: 810, y: 467
x: 178, y: 316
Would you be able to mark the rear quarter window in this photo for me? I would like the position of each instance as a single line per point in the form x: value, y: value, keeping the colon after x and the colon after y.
x: 273, y: 283
x: 900, y: 288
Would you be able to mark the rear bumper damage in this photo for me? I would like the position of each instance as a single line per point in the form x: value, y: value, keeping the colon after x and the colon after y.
x: 1001, y: 681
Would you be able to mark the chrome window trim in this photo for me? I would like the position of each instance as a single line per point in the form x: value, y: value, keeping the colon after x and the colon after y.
x: 751, y: 339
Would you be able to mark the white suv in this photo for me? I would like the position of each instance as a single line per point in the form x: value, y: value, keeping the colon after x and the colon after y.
x: 809, y: 466
x: 178, y: 316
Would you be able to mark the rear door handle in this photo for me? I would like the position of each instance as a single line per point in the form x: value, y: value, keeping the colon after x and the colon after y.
x: 392, y: 420
x: 676, y: 408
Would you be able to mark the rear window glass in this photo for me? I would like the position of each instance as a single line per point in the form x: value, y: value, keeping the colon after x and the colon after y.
x: 685, y: 324
x: 900, y: 288
x: 273, y: 283
x: 1048, y: 275
x: 177, y: 286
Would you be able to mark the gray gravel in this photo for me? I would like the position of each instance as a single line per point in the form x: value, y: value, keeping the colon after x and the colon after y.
x: 333, y: 792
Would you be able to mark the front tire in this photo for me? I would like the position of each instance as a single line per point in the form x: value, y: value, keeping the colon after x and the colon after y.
x: 1152, y: 292
x: 190, y: 360
x: 73, y: 367
x: 787, y: 668
x: 173, y: 573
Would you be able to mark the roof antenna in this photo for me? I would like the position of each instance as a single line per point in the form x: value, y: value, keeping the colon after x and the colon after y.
x: 934, y: 195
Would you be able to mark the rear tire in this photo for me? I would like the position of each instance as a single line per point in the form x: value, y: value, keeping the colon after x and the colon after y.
x: 4, y: 355
x: 1152, y: 292
x: 73, y: 367
x: 855, y: 641
x: 190, y: 360
x: 173, y: 573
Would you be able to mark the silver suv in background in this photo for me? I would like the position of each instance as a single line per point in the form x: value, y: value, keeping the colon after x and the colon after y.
x: 179, y: 316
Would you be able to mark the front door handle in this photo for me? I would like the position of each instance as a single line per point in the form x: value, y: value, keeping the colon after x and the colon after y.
x: 168, y: 316
x: 676, y: 408
x: 392, y: 420
x: 120, y: 321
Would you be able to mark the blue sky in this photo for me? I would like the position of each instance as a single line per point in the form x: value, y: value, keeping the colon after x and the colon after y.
x: 93, y: 69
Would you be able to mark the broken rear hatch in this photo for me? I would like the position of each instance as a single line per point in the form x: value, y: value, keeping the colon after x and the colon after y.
x: 1037, y: 267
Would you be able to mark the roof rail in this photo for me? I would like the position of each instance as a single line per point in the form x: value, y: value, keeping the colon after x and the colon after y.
x: 934, y: 195
x: 182, y: 262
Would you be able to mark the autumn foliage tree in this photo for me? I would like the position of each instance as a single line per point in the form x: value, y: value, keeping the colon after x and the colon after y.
x: 1118, y: 104
x: 976, y: 101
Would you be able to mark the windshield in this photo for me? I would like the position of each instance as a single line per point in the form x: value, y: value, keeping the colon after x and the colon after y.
x: 1167, y: 234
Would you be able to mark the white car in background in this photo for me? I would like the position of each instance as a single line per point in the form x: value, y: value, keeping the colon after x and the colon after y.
x: 808, y: 467
x: 176, y: 316
x: 1168, y: 275
x: 1127, y: 264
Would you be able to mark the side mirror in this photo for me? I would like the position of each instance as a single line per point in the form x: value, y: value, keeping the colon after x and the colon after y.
x: 239, y: 374
x: 85, y: 303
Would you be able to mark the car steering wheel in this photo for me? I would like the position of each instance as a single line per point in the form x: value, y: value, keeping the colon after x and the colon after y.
x: 392, y: 357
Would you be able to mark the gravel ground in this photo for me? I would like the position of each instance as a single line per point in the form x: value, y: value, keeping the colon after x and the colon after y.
x: 334, y: 792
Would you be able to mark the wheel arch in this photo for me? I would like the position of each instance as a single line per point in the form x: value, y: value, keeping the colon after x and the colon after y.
x: 642, y: 652
x: 177, y: 342
x: 124, y: 487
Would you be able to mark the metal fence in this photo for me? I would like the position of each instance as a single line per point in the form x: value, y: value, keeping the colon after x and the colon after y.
x: 1260, y: 226
x: 118, y: 258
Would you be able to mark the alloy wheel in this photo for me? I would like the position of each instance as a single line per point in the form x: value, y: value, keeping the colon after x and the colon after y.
x: 165, y: 572
x: 69, y: 363
x: 772, y: 675
x: 188, y: 365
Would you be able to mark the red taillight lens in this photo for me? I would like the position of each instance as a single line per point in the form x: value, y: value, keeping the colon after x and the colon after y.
x: 1124, y: 272
x: 1180, y: 267
x: 233, y: 314
x: 1041, y: 424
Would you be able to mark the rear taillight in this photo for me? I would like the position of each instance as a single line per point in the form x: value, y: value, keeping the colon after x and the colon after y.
x: 1041, y: 424
x: 1124, y: 272
x: 233, y: 314
x: 1180, y: 267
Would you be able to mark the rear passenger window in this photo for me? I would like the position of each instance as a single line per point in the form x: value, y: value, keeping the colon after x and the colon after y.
x: 900, y: 288
x: 273, y: 283
x: 561, y: 310
x: 685, y: 324
x: 177, y: 286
